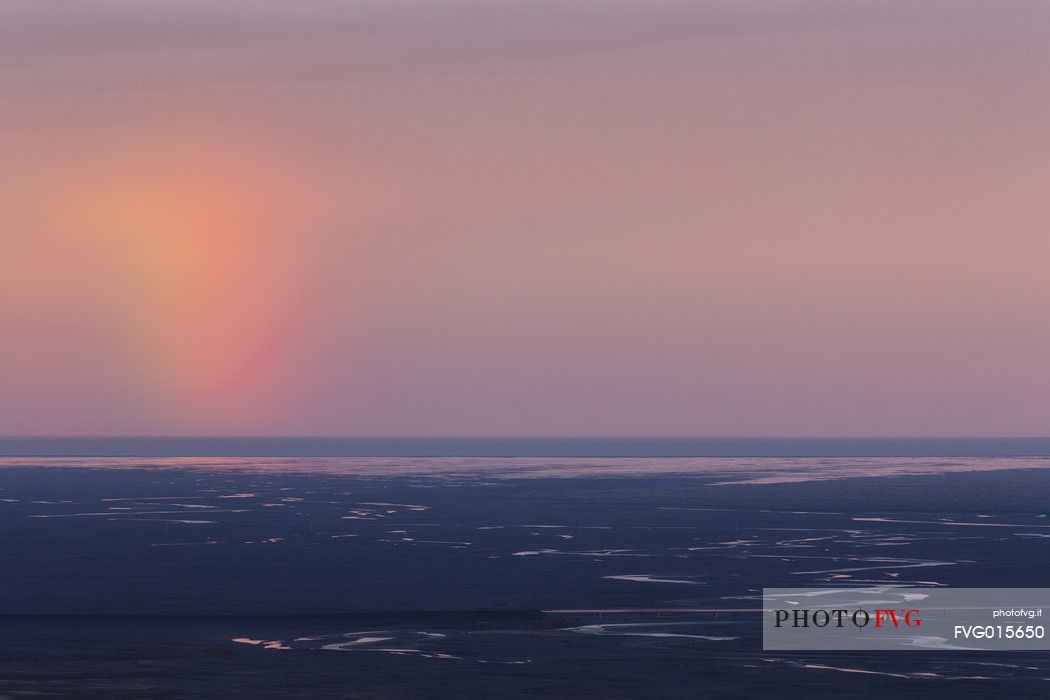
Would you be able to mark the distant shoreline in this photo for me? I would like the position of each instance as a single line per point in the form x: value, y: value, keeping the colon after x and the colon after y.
x: 640, y: 447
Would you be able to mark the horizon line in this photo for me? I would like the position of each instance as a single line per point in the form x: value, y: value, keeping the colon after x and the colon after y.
x: 190, y: 436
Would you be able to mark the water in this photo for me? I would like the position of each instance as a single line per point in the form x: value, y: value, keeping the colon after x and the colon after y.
x: 528, y: 576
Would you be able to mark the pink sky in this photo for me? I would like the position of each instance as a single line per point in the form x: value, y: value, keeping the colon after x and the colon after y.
x: 525, y: 218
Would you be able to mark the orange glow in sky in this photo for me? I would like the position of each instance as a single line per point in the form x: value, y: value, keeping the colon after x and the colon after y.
x: 669, y: 218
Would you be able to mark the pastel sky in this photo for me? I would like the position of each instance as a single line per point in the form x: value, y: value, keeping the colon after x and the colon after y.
x: 501, y: 217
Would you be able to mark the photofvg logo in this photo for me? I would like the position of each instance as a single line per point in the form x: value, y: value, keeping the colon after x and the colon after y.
x: 839, y: 617
x: 892, y: 617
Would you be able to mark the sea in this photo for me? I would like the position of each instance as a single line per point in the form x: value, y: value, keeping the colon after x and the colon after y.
x: 510, y: 567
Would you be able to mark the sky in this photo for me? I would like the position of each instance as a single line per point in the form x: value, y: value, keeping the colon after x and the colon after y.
x: 502, y: 217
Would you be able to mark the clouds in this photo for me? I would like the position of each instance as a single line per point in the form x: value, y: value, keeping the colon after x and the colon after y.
x: 122, y: 44
x: 523, y: 217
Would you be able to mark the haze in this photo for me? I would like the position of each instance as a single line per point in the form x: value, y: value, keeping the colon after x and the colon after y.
x: 525, y: 218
